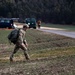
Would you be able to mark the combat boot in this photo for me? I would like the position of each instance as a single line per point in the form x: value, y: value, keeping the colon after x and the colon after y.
x: 11, y: 60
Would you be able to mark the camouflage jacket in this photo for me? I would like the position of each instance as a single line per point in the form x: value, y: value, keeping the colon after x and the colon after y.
x: 21, y: 37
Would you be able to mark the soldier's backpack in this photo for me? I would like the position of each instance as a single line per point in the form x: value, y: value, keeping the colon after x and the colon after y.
x: 13, y: 36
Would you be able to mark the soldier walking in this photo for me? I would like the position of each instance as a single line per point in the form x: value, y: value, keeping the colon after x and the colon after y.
x: 21, y: 43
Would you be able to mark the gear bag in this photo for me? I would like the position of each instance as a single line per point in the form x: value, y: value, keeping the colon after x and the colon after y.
x: 13, y: 36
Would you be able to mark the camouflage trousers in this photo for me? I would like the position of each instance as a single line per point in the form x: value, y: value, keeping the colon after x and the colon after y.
x: 24, y: 48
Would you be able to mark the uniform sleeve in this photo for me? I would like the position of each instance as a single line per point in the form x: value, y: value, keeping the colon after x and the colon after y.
x: 25, y: 42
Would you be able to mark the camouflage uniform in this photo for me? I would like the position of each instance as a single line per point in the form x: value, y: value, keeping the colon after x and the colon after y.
x: 21, y: 43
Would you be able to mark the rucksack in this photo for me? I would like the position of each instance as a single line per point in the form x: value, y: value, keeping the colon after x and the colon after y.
x: 13, y: 36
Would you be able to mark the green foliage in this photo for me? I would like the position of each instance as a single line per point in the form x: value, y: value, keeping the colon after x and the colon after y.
x: 56, y: 11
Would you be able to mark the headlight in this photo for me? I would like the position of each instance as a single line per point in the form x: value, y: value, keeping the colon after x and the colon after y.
x: 28, y: 23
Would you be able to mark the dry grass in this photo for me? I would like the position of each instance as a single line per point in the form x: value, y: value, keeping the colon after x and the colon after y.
x: 50, y: 54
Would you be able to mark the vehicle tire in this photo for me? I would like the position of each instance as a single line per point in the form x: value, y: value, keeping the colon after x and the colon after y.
x: 34, y: 27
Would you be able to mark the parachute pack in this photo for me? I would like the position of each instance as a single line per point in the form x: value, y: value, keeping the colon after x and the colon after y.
x: 13, y: 35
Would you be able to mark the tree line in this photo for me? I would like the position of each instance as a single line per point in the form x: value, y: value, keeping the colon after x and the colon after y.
x: 53, y: 11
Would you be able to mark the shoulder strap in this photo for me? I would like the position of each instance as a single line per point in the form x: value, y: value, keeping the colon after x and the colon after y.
x: 18, y: 33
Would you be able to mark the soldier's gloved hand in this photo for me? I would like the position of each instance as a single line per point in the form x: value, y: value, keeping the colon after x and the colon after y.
x: 25, y: 42
x: 26, y: 45
x: 23, y: 46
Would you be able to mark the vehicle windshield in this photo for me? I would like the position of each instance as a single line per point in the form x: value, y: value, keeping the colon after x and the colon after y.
x: 30, y: 20
x: 4, y: 21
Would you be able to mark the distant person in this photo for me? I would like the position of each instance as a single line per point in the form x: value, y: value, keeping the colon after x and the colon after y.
x: 39, y: 23
x: 21, y: 43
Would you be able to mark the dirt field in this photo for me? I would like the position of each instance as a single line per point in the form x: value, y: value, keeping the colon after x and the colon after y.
x: 50, y: 54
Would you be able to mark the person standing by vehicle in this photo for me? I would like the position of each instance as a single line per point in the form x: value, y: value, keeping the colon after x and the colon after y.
x: 39, y: 23
x: 21, y: 43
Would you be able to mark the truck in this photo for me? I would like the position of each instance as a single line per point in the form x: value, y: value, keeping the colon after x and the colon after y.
x: 31, y: 22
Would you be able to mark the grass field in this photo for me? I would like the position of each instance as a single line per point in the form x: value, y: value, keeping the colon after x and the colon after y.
x: 50, y: 54
x: 62, y: 26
